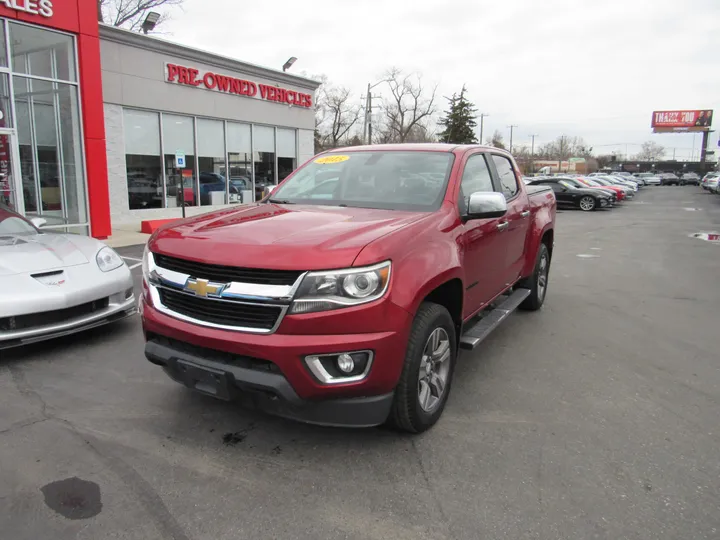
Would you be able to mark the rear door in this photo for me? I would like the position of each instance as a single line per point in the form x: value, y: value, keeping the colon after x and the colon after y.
x: 517, y: 217
x: 483, y: 240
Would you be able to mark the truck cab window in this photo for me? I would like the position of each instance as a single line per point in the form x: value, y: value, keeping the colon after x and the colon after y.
x: 508, y: 180
x: 476, y: 177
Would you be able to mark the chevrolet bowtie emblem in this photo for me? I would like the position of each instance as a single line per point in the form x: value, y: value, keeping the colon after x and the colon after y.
x: 202, y: 287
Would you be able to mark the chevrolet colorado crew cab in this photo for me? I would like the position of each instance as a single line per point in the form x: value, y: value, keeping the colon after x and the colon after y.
x: 344, y: 296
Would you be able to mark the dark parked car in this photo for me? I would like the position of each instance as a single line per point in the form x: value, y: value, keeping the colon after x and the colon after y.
x: 669, y: 179
x: 690, y: 179
x: 568, y: 195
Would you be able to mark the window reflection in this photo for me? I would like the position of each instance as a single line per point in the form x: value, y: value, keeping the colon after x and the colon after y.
x: 287, y: 152
x: 240, y: 163
x: 142, y: 159
x: 211, y: 162
x: 264, y: 158
x: 178, y: 136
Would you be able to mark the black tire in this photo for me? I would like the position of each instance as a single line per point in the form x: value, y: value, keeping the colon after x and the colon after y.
x: 537, y: 293
x: 407, y: 414
x: 588, y: 200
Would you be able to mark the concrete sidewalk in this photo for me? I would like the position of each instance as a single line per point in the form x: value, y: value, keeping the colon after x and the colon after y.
x: 126, y: 234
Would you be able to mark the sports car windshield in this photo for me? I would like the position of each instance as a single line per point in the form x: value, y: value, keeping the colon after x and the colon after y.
x: 414, y: 181
x: 12, y: 224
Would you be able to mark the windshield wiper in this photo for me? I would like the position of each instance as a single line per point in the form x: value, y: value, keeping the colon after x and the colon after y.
x: 280, y: 201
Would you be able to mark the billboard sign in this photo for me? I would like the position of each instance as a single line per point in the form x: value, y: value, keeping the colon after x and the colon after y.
x: 694, y: 120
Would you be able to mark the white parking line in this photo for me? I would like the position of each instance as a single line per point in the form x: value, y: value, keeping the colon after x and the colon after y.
x: 134, y: 266
x: 131, y: 259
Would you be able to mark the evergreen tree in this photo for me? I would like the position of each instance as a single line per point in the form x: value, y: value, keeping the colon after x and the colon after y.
x: 459, y: 121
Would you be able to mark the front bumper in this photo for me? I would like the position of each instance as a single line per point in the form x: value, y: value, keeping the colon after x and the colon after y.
x: 212, y: 373
x: 83, y: 298
x: 112, y: 313
x: 288, y: 387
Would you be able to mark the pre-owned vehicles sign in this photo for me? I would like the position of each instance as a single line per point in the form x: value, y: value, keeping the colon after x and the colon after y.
x: 231, y: 85
x: 692, y: 120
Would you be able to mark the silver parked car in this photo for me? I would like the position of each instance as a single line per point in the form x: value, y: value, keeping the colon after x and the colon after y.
x: 56, y: 284
x: 649, y: 179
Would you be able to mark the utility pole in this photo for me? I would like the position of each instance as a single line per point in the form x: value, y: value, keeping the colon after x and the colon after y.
x: 368, y: 111
x: 512, y: 126
x: 532, y: 153
x: 482, y: 118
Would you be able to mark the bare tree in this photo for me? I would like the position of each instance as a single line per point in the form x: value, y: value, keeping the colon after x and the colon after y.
x: 336, y: 116
x: 496, y: 140
x: 409, y: 108
x: 651, y: 151
x: 564, y: 148
x: 130, y: 14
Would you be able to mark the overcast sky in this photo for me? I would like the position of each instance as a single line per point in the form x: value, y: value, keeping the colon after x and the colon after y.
x: 592, y: 68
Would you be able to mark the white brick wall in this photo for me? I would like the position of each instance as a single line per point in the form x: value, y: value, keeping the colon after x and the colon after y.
x: 117, y: 174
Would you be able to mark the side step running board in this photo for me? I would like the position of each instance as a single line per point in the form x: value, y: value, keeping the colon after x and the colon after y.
x: 474, y: 335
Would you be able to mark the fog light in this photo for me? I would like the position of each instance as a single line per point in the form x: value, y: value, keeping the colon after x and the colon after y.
x: 128, y: 294
x: 345, y: 363
x: 340, y: 367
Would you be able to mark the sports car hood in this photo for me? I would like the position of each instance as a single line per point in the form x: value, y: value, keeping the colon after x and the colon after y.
x: 282, y: 237
x: 21, y: 254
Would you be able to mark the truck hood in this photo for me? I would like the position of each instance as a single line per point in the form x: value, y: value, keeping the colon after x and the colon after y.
x: 280, y: 237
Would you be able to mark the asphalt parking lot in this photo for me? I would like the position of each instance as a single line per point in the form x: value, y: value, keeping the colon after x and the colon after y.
x: 594, y: 418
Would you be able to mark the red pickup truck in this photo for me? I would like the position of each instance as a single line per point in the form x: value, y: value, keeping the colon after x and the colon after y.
x: 343, y: 298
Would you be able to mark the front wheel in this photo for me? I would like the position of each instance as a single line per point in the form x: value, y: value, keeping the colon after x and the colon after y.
x: 587, y: 204
x: 538, y: 282
x: 426, y: 377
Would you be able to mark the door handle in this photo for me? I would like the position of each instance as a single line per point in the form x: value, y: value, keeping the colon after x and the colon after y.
x: 503, y: 226
x: 525, y: 214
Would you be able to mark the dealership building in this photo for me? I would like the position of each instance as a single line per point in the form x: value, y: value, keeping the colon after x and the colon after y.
x: 101, y: 127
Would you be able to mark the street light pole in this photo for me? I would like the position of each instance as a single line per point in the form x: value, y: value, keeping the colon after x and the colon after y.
x: 532, y: 153
x: 512, y: 126
x: 367, y: 130
x: 482, y: 118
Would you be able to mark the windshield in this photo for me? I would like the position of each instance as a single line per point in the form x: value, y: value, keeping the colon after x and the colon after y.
x: 11, y: 223
x: 413, y: 181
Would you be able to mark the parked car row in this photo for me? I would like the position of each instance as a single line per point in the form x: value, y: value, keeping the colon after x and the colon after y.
x: 711, y: 182
x: 589, y: 193
x: 656, y: 178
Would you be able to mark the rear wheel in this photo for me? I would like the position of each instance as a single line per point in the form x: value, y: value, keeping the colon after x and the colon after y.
x: 538, y: 282
x: 426, y: 377
x: 587, y: 204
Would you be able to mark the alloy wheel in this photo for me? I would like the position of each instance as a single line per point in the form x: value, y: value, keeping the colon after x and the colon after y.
x: 434, y: 370
x: 587, y: 204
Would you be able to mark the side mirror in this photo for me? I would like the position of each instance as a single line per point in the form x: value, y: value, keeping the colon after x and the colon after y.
x: 38, y: 222
x: 486, y: 205
x: 268, y: 190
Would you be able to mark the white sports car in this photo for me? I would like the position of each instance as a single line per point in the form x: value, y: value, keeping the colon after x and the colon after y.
x: 56, y: 284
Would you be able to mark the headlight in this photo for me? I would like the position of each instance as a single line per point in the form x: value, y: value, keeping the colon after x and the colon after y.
x: 335, y: 289
x: 108, y: 260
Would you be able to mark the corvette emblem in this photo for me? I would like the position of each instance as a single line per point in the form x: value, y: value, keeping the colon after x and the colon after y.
x: 204, y: 288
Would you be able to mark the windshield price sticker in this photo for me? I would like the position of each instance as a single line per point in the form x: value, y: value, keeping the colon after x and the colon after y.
x: 332, y: 159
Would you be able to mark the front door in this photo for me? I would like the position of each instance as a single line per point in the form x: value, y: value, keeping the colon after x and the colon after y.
x: 482, y: 241
x: 517, y: 218
x: 10, y: 183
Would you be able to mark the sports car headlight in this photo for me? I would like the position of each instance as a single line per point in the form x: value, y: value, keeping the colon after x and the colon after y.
x: 335, y: 289
x: 108, y: 260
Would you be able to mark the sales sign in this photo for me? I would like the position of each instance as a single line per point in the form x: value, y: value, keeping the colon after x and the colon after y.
x: 690, y: 120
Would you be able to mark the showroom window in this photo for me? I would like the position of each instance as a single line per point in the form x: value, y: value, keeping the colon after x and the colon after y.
x: 264, y: 156
x: 179, y: 136
x: 240, y: 163
x: 287, y: 152
x: 143, y: 161
x: 211, y: 161
x: 47, y: 118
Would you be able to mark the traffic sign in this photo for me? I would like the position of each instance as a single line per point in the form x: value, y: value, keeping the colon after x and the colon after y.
x: 179, y: 160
